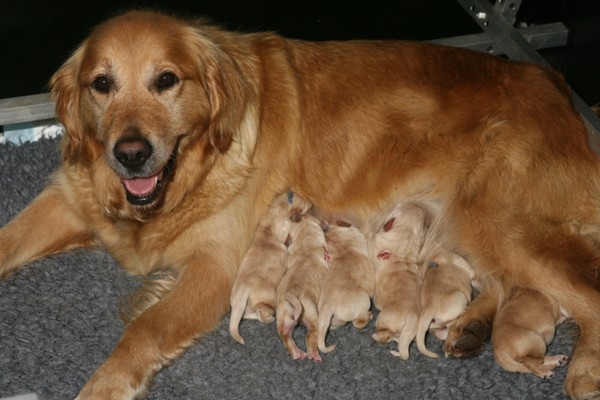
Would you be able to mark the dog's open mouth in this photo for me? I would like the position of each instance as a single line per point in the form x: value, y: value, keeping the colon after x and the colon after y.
x: 146, y: 190
x: 143, y: 191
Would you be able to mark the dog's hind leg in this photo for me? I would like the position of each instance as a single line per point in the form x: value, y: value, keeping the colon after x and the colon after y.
x: 583, y: 375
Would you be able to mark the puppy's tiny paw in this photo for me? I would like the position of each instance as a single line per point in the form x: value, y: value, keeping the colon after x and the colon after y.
x: 299, y: 355
x: 547, y: 375
x: 562, y: 361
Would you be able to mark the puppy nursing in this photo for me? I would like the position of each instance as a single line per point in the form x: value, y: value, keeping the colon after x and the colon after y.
x: 254, y: 292
x: 445, y: 294
x: 298, y: 292
x: 348, y: 284
x: 523, y: 327
x: 397, y: 288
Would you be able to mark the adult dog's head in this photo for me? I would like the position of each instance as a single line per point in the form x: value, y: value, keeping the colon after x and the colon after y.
x: 149, y: 103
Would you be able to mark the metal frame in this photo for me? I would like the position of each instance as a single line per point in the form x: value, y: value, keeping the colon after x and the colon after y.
x: 499, y: 36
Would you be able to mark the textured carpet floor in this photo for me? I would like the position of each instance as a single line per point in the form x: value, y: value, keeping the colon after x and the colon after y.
x: 59, y: 321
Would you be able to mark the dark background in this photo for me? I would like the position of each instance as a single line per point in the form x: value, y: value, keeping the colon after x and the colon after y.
x: 37, y: 36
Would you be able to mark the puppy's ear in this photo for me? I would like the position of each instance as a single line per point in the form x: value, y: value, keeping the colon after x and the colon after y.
x: 227, y: 91
x: 64, y: 87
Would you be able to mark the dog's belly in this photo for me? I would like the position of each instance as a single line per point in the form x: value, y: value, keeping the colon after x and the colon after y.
x: 370, y: 217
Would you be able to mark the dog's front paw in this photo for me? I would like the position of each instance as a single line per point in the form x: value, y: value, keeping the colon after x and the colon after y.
x: 103, y: 386
x: 466, y: 340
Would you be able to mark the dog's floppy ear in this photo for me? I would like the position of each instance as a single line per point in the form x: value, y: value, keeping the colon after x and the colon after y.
x: 64, y: 86
x: 226, y: 89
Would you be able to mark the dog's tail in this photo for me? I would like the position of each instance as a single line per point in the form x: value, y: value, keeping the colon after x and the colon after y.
x: 407, y: 335
x: 424, y: 322
x: 239, y: 301
x: 324, y: 321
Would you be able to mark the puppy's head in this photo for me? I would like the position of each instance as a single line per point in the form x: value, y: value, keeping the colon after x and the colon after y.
x: 142, y: 91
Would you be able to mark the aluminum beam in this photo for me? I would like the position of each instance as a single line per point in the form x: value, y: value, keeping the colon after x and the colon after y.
x: 15, y: 110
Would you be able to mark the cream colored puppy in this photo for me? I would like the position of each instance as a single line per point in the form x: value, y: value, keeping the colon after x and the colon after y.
x: 348, y: 284
x: 397, y: 296
x: 298, y: 292
x: 254, y: 293
x: 524, y: 325
x: 394, y: 250
x: 445, y: 293
x: 401, y: 236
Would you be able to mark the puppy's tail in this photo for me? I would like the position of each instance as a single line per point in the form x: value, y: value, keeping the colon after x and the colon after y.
x: 409, y: 331
x: 424, y: 322
x: 324, y: 321
x: 239, y: 301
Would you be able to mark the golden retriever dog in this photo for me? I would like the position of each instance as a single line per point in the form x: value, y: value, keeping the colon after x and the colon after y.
x: 349, y: 283
x: 524, y: 325
x: 401, y: 237
x: 180, y: 135
x: 445, y: 294
x: 397, y: 292
x: 254, y: 292
x: 299, y: 290
x: 394, y: 250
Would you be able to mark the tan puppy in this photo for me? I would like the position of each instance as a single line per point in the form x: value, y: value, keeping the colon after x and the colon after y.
x: 254, y: 293
x: 523, y: 327
x: 348, y: 284
x: 401, y: 236
x: 397, y: 283
x: 298, y: 292
x: 445, y: 294
x: 397, y: 296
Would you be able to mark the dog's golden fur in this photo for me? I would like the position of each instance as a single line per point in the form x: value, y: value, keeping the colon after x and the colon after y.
x: 394, y: 250
x: 354, y: 127
x: 348, y: 285
x: 445, y: 294
x: 523, y: 327
x: 299, y: 290
x: 254, y: 292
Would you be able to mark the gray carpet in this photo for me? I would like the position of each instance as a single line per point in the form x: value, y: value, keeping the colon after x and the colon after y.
x: 59, y: 320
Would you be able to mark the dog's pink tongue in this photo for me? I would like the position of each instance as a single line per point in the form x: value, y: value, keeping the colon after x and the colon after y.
x: 141, y: 186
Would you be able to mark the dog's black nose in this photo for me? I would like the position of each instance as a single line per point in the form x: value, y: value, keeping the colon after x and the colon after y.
x: 132, y: 152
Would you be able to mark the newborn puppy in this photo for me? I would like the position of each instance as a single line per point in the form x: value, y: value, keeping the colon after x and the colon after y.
x: 523, y: 327
x: 445, y: 294
x: 394, y: 250
x: 401, y: 236
x: 298, y: 292
x: 348, y: 284
x: 397, y: 296
x: 254, y: 292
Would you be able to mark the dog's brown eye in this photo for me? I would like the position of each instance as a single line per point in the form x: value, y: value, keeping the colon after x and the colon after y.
x: 102, y: 84
x: 166, y: 80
